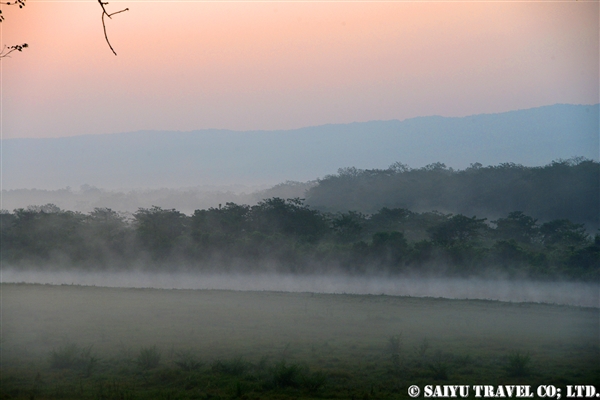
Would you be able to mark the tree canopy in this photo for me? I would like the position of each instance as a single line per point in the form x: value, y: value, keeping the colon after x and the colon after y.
x: 287, y: 235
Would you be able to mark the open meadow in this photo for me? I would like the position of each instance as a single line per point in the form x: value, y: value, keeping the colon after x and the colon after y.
x: 84, y: 342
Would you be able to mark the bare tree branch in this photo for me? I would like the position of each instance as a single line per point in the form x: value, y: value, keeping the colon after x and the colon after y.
x: 105, y: 13
x: 7, y: 50
x: 21, y: 3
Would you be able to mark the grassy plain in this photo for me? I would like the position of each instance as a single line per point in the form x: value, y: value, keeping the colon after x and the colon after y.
x: 77, y: 342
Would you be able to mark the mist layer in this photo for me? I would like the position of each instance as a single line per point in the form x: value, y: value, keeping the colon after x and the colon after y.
x: 564, y: 293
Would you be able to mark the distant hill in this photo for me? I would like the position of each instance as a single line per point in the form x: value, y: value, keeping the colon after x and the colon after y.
x: 186, y: 200
x: 154, y: 159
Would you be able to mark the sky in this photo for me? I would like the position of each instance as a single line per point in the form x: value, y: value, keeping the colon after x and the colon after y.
x: 247, y: 65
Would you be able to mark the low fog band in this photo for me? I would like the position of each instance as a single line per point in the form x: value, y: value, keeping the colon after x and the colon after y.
x: 566, y: 293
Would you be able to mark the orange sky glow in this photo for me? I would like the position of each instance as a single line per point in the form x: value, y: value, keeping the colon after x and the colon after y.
x: 282, y: 65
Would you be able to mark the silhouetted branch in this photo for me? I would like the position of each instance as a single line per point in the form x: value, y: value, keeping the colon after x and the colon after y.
x: 20, y: 3
x: 105, y: 13
x: 17, y: 47
x: 7, y: 50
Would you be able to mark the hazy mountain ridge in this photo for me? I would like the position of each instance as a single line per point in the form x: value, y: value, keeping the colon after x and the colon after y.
x: 154, y: 159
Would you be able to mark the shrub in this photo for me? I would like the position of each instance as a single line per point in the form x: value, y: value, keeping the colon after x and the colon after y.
x: 314, y: 381
x: 423, y: 347
x: 295, y: 375
x: 284, y: 375
x: 236, y: 366
x: 394, y: 347
x: 439, y: 370
x: 148, y: 358
x: 440, y: 365
x: 65, y: 357
x: 187, y: 361
x: 88, y: 361
x: 518, y: 364
x: 71, y: 356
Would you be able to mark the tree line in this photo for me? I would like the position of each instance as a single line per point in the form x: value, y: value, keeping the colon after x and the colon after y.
x: 562, y: 189
x: 288, y: 236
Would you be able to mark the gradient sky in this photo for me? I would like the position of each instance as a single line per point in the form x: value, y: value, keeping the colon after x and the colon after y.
x: 187, y: 65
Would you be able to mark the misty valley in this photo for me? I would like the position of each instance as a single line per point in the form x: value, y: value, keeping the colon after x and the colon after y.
x: 372, y: 281
x: 299, y: 199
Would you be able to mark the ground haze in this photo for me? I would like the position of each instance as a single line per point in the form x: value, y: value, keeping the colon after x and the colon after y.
x: 345, y: 338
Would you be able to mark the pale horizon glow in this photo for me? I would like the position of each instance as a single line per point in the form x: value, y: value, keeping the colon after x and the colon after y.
x: 283, y: 65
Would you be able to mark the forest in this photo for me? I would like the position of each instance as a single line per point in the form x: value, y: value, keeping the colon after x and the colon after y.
x: 561, y: 189
x: 288, y: 235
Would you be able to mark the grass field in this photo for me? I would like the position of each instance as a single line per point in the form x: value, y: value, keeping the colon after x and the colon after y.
x: 78, y: 342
